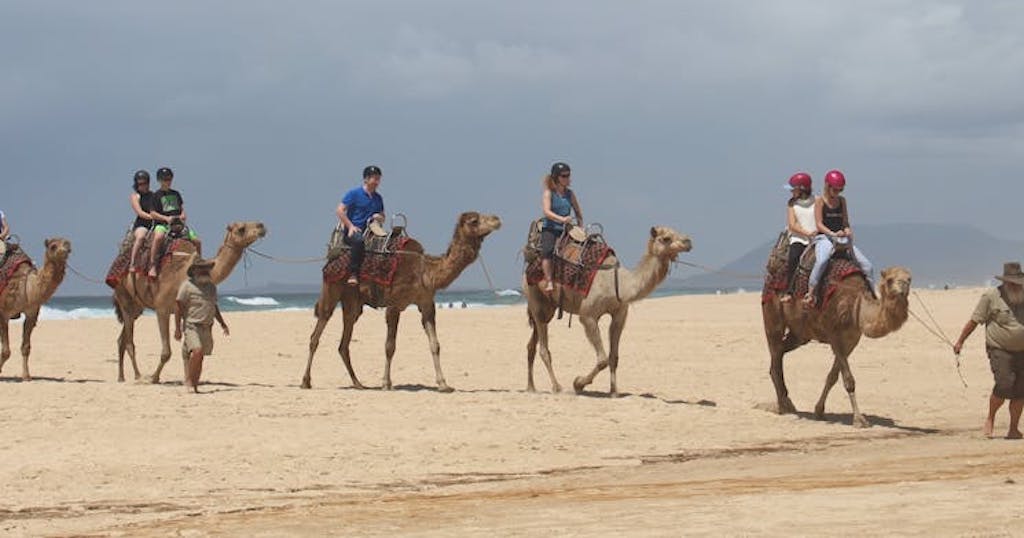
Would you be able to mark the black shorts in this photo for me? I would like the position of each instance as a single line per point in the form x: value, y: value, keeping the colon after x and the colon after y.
x: 547, y: 243
x: 1008, y: 371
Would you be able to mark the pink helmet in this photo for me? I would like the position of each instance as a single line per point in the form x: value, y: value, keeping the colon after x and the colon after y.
x: 800, y: 179
x: 835, y: 179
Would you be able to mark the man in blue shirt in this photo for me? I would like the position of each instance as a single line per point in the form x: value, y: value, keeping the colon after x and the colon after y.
x: 357, y: 208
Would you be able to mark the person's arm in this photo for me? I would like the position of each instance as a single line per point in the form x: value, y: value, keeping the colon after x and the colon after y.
x: 157, y: 214
x: 343, y: 217
x: 179, y: 308
x: 819, y: 216
x: 968, y: 329
x: 181, y: 203
x: 4, y: 229
x: 846, y: 231
x: 220, y: 319
x: 576, y: 208
x: 137, y: 207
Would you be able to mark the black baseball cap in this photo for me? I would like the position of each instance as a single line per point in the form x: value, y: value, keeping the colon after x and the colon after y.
x: 371, y: 171
x: 558, y: 169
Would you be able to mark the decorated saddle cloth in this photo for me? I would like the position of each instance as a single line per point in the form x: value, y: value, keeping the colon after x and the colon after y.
x: 577, y: 259
x: 839, y: 267
x: 119, y: 267
x: 380, y: 261
x: 12, y: 260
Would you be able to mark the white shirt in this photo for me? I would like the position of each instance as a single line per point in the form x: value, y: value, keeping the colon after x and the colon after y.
x: 805, y: 218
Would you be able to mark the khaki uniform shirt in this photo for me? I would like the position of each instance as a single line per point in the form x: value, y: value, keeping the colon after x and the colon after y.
x: 200, y: 302
x: 1003, y: 330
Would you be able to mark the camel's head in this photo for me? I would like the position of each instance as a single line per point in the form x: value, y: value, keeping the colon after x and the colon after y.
x: 895, y: 282
x: 473, y: 224
x: 243, y: 234
x: 57, y: 249
x: 667, y: 243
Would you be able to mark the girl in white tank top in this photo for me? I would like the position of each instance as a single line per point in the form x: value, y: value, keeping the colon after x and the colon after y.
x: 802, y: 228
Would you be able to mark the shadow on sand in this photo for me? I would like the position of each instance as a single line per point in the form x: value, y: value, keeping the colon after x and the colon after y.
x: 44, y: 379
x: 874, y: 420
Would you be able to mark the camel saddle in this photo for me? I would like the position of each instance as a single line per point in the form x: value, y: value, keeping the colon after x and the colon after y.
x: 776, y: 280
x: 577, y: 258
x: 380, y: 261
x: 13, y: 259
x: 119, y: 267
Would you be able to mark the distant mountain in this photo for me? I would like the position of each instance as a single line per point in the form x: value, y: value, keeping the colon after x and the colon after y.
x: 936, y: 254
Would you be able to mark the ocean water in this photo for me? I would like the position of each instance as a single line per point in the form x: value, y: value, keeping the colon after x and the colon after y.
x: 101, y: 307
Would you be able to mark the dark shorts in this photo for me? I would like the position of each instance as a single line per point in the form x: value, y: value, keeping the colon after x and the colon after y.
x: 547, y: 243
x: 1008, y: 371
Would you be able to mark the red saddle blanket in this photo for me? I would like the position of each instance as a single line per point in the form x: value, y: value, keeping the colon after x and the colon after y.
x: 838, y: 269
x: 576, y: 276
x: 14, y: 259
x: 119, y: 268
x: 378, y: 267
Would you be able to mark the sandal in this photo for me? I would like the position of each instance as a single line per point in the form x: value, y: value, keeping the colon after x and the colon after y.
x: 786, y: 298
x: 809, y: 300
x: 352, y: 281
x: 548, y: 288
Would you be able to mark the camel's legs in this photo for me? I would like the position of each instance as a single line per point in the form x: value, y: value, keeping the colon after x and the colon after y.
x: 594, y: 336
x: 614, y: 336
x: 350, y: 312
x: 850, y: 384
x: 541, y: 335
x: 163, y: 322
x: 391, y: 315
x: 531, y: 355
x: 5, y: 340
x: 323, y: 315
x: 126, y: 344
x: 26, y: 341
x: 777, y: 348
x: 830, y: 380
x: 428, y: 315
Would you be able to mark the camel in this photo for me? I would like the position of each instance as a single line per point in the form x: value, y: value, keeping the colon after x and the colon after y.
x: 417, y: 279
x: 135, y: 293
x: 611, y: 292
x: 26, y: 292
x: 851, y: 311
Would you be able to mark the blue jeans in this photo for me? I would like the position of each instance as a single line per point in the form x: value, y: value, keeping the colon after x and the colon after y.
x: 823, y: 249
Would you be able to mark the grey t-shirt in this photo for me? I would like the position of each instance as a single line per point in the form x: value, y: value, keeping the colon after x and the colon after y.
x: 1002, y: 328
x: 200, y: 302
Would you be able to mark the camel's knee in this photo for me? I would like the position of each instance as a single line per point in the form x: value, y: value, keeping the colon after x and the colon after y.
x: 850, y: 385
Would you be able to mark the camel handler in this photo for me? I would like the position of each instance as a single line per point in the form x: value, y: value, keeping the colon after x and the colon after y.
x: 1002, y: 311
x: 197, y: 304
x: 357, y: 208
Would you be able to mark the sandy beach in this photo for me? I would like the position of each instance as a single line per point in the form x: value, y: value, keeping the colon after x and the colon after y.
x: 685, y: 451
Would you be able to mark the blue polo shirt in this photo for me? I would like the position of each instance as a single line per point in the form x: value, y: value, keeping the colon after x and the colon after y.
x: 360, y: 205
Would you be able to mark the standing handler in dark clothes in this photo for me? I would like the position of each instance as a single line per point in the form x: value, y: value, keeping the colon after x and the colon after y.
x: 1001, y: 310
x: 356, y: 209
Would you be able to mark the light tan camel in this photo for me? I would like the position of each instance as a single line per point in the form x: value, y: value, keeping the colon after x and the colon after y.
x: 26, y: 292
x: 417, y: 279
x: 136, y: 292
x: 851, y: 311
x: 611, y: 292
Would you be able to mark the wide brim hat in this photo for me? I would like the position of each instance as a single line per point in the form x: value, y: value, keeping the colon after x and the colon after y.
x: 200, y: 263
x: 1012, y: 273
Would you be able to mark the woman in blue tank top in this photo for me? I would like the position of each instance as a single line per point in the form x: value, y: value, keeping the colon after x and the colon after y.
x: 557, y: 202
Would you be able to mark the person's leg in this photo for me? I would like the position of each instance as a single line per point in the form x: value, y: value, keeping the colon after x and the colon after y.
x: 822, y: 252
x: 357, y: 250
x: 795, y: 251
x: 1017, y: 403
x: 195, y: 369
x: 865, y: 265
x: 1001, y: 364
x: 194, y: 238
x: 547, y: 252
x: 158, y: 239
x: 140, y: 236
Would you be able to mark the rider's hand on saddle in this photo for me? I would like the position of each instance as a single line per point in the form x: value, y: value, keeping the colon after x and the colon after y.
x: 353, y: 231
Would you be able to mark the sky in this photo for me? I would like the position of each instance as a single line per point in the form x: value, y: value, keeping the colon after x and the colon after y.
x: 689, y: 114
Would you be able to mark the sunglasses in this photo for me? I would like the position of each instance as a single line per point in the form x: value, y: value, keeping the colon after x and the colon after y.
x: 564, y: 175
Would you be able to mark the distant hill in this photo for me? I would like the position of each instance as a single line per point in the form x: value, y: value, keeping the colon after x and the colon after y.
x: 936, y: 254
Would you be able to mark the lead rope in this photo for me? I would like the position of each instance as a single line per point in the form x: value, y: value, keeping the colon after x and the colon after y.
x: 82, y: 276
x: 938, y: 332
x: 487, y: 274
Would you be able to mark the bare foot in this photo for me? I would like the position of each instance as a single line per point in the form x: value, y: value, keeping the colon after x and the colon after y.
x: 152, y: 272
x: 1014, y: 434
x: 352, y: 281
x: 987, y: 430
x: 787, y: 298
x: 548, y: 288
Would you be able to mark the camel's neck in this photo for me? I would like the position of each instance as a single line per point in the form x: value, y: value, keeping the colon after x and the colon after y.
x: 44, y: 282
x: 225, y: 261
x: 461, y: 253
x: 642, y: 279
x: 879, y: 318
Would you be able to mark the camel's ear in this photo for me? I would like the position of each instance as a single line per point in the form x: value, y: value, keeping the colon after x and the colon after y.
x: 229, y: 226
x: 46, y: 242
x: 654, y: 231
x: 886, y: 272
